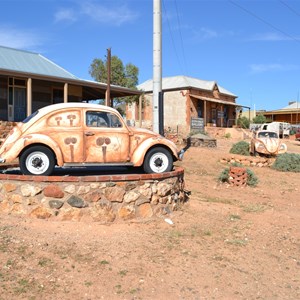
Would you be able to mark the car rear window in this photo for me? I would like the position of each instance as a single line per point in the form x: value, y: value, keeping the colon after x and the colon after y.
x: 30, y: 117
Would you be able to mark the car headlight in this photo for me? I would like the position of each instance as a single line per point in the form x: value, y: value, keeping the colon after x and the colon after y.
x: 259, y: 146
x: 282, y: 147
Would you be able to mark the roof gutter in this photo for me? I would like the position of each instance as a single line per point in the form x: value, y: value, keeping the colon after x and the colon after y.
x: 78, y: 81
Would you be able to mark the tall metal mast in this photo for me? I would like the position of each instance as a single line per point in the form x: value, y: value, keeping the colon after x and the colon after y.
x: 157, y: 59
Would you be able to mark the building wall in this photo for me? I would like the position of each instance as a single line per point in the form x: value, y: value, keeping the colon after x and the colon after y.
x: 175, y: 111
x: 180, y: 107
x: 292, y: 118
x: 43, y: 93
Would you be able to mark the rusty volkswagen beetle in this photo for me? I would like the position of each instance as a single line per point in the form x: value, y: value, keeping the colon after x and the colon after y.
x: 267, y: 143
x: 81, y: 134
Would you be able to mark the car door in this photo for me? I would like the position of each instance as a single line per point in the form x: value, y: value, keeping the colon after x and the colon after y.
x: 65, y: 128
x: 106, y: 138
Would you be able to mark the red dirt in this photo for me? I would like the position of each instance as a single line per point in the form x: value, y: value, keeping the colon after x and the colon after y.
x: 227, y: 243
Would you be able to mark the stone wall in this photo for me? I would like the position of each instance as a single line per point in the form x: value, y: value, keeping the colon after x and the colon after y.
x: 103, y: 198
x: 203, y: 142
x: 5, y: 127
x: 248, y: 160
x: 235, y: 132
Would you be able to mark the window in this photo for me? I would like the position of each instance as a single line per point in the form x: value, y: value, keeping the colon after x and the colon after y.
x: 20, y: 82
x: 102, y: 119
x: 58, y: 96
x: 30, y: 117
x: 97, y: 119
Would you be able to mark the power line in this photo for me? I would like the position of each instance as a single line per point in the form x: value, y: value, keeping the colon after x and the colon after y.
x: 174, y: 46
x: 264, y: 21
x: 181, y: 39
x: 290, y: 8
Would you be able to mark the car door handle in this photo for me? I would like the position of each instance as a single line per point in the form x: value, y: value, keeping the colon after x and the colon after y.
x: 89, y: 133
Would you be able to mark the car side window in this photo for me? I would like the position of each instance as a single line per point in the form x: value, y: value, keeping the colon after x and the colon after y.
x: 114, y: 120
x: 97, y: 119
x: 102, y: 119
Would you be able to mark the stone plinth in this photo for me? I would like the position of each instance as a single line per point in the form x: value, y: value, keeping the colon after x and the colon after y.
x: 98, y: 198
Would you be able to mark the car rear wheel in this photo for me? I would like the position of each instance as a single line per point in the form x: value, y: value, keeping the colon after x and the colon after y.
x: 158, y: 160
x: 37, y: 160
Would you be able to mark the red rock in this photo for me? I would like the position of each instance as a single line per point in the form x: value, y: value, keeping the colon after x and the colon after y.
x: 53, y: 191
x: 93, y: 196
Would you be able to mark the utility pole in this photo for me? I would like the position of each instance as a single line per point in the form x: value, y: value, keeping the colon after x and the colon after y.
x: 108, y: 67
x: 157, y: 67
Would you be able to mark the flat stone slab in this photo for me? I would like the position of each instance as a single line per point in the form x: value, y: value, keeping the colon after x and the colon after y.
x: 202, y: 140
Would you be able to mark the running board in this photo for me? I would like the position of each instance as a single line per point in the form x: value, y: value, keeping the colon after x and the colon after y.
x: 98, y: 165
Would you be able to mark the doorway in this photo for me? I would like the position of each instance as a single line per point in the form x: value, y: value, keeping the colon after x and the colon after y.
x: 20, y: 108
x: 17, y: 99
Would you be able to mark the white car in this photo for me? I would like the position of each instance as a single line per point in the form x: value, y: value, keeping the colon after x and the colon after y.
x: 267, y: 143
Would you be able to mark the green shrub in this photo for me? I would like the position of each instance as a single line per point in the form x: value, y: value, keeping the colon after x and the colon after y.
x: 243, y: 122
x: 252, y: 179
x: 241, y: 148
x: 287, y: 162
x: 227, y: 135
x: 224, y: 176
x: 260, y: 119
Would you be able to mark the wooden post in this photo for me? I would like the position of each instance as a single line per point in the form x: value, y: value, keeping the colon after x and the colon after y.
x: 66, y: 91
x: 107, y: 94
x: 29, y: 97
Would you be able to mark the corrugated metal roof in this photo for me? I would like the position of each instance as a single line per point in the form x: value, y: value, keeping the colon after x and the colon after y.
x: 218, y: 101
x: 30, y: 62
x: 181, y: 82
x: 294, y: 105
x: 291, y: 108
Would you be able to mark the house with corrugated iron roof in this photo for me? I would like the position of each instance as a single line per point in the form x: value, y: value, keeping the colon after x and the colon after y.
x: 188, y: 104
x: 29, y: 81
x: 289, y: 114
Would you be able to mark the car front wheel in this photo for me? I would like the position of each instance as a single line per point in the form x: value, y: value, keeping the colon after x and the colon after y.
x: 37, y: 160
x: 158, y: 160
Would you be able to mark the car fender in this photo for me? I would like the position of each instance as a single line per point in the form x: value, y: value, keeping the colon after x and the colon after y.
x: 41, y: 139
x: 139, y: 153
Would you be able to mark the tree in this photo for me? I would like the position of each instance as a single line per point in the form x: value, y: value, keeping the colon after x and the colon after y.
x: 243, y: 122
x: 260, y: 119
x: 126, y: 76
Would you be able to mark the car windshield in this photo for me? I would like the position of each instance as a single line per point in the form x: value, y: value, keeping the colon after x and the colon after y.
x: 267, y: 135
x: 30, y: 117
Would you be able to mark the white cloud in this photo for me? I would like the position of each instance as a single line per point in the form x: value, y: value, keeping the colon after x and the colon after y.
x: 18, y: 38
x: 270, y: 37
x: 262, y: 68
x: 203, y: 34
x: 114, y: 14
x: 65, y: 14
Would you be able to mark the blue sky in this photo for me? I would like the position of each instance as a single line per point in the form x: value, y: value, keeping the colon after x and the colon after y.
x: 251, y: 48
